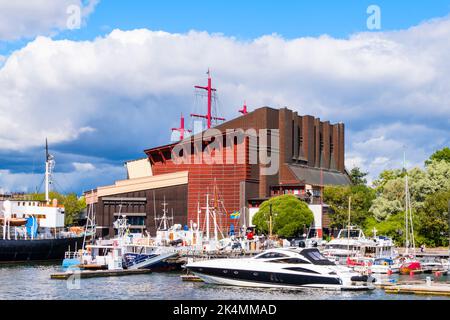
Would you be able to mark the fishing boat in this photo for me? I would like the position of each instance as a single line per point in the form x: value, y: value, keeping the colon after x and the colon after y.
x: 35, y: 230
x: 286, y: 268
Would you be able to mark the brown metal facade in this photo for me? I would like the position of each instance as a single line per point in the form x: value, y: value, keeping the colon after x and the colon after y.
x: 304, y: 142
x: 142, y: 207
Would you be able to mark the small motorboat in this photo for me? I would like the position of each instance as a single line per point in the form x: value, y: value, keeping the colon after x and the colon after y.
x: 434, y: 266
x: 385, y: 266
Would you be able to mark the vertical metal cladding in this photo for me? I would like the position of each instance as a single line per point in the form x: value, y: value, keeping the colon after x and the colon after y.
x: 304, y: 140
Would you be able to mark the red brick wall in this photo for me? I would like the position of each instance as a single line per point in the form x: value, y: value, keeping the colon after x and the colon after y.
x: 203, y: 177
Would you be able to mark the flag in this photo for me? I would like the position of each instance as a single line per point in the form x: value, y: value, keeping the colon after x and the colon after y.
x: 235, y: 215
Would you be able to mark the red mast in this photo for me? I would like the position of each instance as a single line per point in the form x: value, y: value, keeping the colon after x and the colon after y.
x: 244, y: 109
x: 181, y: 129
x: 208, y: 116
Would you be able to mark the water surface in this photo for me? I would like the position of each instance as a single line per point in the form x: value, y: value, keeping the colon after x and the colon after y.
x: 28, y: 281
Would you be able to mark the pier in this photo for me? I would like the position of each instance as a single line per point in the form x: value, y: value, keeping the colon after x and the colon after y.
x: 436, y: 289
x: 97, y: 273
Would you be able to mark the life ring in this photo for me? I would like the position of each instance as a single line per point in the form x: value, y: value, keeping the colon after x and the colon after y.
x: 385, y: 263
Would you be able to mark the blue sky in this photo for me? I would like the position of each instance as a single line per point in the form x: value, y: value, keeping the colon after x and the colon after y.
x: 249, y: 19
x: 389, y: 86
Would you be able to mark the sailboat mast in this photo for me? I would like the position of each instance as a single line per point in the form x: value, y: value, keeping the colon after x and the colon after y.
x: 348, y: 226
x: 207, y: 216
x: 47, y: 172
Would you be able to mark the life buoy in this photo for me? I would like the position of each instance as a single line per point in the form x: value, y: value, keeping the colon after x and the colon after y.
x: 385, y: 263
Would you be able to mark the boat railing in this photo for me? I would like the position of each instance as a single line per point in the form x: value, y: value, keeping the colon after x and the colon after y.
x: 72, y: 255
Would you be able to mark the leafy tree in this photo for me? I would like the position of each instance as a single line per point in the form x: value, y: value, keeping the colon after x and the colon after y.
x: 290, y: 216
x: 73, y: 207
x: 440, y: 155
x: 337, y: 198
x: 386, y: 176
x: 422, y: 183
x: 393, y: 227
x: 433, y: 219
x: 358, y: 177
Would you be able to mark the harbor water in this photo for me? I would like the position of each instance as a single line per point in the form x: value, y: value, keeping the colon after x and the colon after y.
x: 32, y: 281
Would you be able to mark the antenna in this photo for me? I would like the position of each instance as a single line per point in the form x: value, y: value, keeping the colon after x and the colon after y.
x: 244, y: 109
x: 181, y: 129
x: 210, y: 91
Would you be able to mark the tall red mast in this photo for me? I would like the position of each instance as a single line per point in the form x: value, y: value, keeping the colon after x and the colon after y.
x: 181, y: 129
x: 244, y: 109
x: 208, y: 116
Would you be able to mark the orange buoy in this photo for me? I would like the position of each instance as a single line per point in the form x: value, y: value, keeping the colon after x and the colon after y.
x: 389, y: 272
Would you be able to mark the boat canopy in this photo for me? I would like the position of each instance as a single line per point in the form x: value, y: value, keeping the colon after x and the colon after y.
x: 383, y: 261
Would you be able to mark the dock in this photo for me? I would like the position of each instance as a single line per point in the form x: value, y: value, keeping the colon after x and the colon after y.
x: 436, y: 289
x: 97, y: 273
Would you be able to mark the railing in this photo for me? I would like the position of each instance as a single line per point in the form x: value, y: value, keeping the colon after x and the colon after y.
x: 72, y: 255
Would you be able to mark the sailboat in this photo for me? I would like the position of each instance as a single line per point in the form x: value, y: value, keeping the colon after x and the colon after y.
x: 410, y: 264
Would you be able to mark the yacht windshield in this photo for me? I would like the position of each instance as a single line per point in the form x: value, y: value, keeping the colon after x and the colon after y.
x: 315, y: 257
x: 349, y: 234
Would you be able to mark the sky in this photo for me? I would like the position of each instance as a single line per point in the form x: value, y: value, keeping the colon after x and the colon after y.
x: 103, y: 80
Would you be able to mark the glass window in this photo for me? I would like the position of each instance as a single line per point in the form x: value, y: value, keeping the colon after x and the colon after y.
x: 269, y: 255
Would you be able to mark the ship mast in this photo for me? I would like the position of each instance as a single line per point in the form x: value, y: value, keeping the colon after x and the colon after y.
x: 49, y: 166
x: 210, y: 90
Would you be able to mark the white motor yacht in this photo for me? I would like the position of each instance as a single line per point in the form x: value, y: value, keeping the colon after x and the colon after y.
x: 291, y: 268
x: 351, y: 242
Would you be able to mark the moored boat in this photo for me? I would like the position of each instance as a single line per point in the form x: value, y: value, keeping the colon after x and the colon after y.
x: 34, y: 230
x: 288, y: 268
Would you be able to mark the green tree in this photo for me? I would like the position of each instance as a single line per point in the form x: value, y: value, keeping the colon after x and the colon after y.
x: 440, y: 155
x: 433, y: 219
x: 73, y: 207
x: 422, y: 183
x: 386, y: 176
x: 358, y: 177
x: 289, y: 216
x: 393, y: 227
x: 337, y: 198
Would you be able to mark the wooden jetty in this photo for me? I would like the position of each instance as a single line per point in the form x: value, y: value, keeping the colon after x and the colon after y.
x: 97, y: 273
x: 440, y: 289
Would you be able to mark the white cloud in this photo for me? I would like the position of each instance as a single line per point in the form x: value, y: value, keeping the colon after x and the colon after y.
x: 79, y: 166
x: 27, y: 19
x: 127, y: 89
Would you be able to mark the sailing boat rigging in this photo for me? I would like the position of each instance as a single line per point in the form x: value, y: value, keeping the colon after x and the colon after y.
x: 411, y: 264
